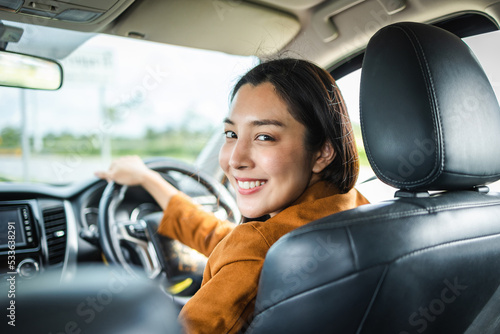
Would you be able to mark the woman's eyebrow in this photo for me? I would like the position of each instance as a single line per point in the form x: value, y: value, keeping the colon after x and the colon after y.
x: 262, y: 122
x: 259, y: 122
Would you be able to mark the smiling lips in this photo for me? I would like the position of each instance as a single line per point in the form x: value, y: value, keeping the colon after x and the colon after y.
x: 247, y: 187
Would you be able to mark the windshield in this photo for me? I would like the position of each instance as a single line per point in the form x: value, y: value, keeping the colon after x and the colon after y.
x: 119, y: 97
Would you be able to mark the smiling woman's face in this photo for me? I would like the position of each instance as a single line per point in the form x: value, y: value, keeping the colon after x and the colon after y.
x: 264, y: 156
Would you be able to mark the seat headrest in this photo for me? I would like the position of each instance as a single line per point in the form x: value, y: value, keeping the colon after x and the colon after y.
x: 429, y: 116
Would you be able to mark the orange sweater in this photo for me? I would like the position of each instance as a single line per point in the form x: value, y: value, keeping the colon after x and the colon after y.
x: 225, y: 301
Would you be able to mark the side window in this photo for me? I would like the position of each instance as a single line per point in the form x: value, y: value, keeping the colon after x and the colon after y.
x: 486, y: 47
x: 349, y: 86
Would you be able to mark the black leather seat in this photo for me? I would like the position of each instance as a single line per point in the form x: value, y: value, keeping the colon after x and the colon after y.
x: 94, y: 299
x: 424, y: 262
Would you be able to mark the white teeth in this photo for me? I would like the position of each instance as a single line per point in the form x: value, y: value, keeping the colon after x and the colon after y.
x: 250, y: 185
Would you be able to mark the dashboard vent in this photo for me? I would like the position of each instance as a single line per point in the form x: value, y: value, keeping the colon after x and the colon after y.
x: 55, y: 231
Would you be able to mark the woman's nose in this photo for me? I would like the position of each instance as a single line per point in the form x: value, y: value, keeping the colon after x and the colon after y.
x: 240, y: 155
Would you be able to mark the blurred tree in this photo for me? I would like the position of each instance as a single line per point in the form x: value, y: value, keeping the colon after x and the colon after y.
x: 10, y: 137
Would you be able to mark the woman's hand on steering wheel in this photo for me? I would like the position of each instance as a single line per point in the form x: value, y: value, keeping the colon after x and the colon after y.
x: 128, y: 170
x: 132, y: 171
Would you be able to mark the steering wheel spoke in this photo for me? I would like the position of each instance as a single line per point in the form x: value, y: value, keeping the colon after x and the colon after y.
x: 133, y: 231
x: 136, y: 236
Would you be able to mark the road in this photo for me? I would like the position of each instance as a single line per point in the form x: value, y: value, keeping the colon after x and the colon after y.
x: 50, y: 168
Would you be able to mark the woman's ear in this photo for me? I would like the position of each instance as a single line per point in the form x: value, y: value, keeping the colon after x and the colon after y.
x: 324, y: 157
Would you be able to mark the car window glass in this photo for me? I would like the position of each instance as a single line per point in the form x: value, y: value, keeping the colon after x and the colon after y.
x: 119, y: 96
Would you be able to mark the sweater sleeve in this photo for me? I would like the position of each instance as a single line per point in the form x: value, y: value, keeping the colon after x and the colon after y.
x: 190, y: 224
x: 226, y: 300
x: 225, y: 304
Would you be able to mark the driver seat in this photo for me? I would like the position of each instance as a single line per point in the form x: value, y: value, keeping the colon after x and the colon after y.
x: 427, y: 260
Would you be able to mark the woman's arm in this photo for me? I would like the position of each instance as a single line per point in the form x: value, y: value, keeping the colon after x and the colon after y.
x: 132, y: 171
x: 190, y: 224
x: 183, y: 221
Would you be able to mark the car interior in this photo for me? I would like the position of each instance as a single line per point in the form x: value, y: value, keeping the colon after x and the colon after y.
x: 85, y: 256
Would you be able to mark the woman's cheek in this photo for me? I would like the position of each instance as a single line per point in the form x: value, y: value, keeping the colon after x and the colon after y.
x: 279, y: 157
x: 272, y: 161
x: 224, y: 155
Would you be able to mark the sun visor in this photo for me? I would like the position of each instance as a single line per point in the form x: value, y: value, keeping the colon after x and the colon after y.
x: 82, y: 15
x: 233, y: 27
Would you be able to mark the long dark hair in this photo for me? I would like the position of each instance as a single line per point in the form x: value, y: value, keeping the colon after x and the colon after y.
x: 314, y: 100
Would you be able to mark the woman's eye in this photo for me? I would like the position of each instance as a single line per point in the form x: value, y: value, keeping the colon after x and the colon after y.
x: 230, y: 134
x: 265, y: 138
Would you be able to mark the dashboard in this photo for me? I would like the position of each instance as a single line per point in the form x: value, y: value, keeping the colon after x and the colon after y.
x: 19, y: 233
x: 44, y: 227
x: 38, y: 228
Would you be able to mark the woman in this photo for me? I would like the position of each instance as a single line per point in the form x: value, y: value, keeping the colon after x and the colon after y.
x: 291, y: 157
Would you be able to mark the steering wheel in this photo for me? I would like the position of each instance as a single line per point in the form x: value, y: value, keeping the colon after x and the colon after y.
x: 156, y: 254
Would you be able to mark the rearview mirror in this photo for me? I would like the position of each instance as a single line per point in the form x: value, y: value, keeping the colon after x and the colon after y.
x: 26, y: 71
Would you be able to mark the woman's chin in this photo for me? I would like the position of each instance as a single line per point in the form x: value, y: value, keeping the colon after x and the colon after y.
x: 252, y: 208
x: 251, y: 217
x: 251, y: 213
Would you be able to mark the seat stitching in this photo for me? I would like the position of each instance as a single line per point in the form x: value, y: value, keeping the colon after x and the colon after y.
x: 390, y: 216
x: 430, y: 93
x: 460, y: 206
x: 444, y: 245
x: 438, y: 128
x: 307, y: 228
x: 353, y: 248
x: 472, y: 175
x: 372, y: 300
